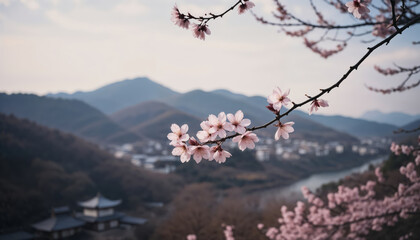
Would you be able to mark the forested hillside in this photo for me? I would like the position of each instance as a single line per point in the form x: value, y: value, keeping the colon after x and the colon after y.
x: 41, y: 168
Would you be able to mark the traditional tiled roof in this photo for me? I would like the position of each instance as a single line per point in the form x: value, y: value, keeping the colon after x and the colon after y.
x: 57, y: 223
x: 90, y: 219
x: 133, y: 220
x: 99, y: 201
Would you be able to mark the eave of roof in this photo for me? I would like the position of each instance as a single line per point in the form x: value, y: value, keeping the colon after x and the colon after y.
x: 58, y: 223
x: 99, y: 201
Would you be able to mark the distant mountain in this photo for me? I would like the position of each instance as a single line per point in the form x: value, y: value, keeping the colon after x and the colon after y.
x: 72, y: 116
x: 153, y: 119
x: 201, y: 104
x: 355, y: 127
x: 394, y: 118
x: 116, y: 96
x: 42, y: 168
x: 412, y: 125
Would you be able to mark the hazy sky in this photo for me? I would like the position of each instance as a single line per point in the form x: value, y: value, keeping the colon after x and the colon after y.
x: 68, y: 45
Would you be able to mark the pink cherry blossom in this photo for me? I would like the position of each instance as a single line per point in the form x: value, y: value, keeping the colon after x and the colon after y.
x: 199, y: 31
x: 245, y: 6
x: 219, y: 126
x: 205, y: 135
x: 379, y: 175
x: 406, y: 149
x: 199, y: 152
x: 179, y: 19
x: 279, y: 98
x: 220, y: 155
x: 229, y: 233
x: 283, y: 130
x: 357, y: 8
x: 383, y: 29
x: 191, y: 237
x: 246, y: 140
x: 238, y: 122
x: 181, y: 149
x: 178, y: 134
x: 316, y: 104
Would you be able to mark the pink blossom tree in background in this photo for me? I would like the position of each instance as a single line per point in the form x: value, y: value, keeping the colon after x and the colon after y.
x: 348, y: 213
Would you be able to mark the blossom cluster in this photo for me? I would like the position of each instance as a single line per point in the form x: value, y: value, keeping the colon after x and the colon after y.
x: 383, y: 28
x: 351, y: 213
x: 406, y: 150
x: 325, y: 53
x: 215, y: 131
x: 386, y: 71
x: 393, y: 71
x: 348, y: 213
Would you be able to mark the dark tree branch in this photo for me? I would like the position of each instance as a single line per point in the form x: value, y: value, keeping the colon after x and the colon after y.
x: 401, y: 130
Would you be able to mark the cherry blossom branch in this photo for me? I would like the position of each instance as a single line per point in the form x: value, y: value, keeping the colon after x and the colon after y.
x: 325, y: 90
x: 214, y: 129
x: 201, y: 29
x: 402, y: 87
x: 213, y: 16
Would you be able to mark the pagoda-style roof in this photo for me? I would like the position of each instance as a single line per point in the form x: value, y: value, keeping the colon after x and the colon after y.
x: 99, y: 201
x: 57, y: 223
x: 90, y: 219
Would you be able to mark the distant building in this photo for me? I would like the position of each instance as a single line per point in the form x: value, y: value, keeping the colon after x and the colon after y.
x: 99, y: 214
x: 60, y: 225
x: 262, y: 153
x: 362, y: 151
x: 339, y: 149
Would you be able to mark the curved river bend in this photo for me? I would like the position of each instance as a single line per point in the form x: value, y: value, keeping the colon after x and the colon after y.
x: 314, y: 181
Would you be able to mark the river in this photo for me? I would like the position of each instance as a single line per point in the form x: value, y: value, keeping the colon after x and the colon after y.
x: 313, y: 182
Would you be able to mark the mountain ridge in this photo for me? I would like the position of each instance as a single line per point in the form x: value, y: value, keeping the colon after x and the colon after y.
x: 118, y: 95
x: 201, y: 103
x: 153, y: 119
x: 69, y: 115
x: 395, y: 118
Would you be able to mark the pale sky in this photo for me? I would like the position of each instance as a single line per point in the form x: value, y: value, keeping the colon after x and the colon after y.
x: 69, y: 45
